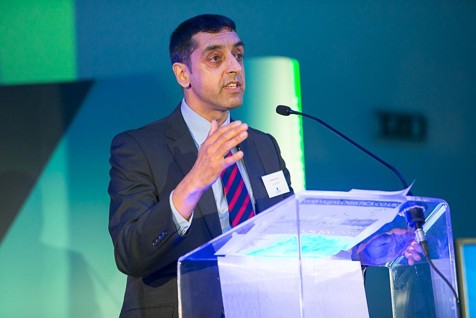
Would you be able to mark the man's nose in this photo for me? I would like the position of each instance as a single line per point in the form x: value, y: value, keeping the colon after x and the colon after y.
x: 234, y: 66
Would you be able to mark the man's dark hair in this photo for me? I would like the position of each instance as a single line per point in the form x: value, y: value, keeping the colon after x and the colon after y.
x: 181, y: 43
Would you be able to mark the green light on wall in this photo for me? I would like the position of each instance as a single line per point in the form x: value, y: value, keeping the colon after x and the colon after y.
x: 37, y: 41
x: 272, y: 81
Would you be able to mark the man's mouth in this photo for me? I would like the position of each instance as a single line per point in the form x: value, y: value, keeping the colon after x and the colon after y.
x: 233, y: 85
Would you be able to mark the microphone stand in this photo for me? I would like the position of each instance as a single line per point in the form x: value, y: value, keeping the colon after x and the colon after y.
x: 413, y: 214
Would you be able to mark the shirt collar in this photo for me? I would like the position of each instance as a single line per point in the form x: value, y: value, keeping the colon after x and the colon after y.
x: 198, y: 126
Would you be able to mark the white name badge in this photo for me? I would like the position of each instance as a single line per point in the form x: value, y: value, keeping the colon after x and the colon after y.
x: 275, y: 184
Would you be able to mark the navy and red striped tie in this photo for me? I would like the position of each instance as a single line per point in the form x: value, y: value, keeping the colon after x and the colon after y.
x: 239, y: 202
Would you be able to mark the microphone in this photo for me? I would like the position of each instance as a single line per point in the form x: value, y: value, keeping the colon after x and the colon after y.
x: 286, y: 111
x: 415, y: 217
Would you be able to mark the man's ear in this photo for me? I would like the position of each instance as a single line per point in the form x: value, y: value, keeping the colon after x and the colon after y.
x: 182, y: 74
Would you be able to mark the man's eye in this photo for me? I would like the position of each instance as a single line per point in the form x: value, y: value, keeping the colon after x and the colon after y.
x: 214, y: 58
x: 239, y: 56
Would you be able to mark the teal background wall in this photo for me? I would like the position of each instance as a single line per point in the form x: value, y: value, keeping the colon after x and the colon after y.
x: 356, y: 58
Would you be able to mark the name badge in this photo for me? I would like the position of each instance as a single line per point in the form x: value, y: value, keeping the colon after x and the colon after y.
x: 275, y: 184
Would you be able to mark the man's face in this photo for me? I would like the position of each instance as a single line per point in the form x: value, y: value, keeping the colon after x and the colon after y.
x: 217, y: 75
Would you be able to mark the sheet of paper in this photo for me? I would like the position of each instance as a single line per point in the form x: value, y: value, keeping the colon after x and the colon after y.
x: 329, y: 222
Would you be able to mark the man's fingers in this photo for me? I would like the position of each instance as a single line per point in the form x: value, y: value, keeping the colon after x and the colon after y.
x: 222, y: 139
x: 417, y: 247
x: 412, y: 253
x: 211, y: 159
x: 237, y: 156
x: 231, y: 138
x: 219, y: 131
x: 213, y: 127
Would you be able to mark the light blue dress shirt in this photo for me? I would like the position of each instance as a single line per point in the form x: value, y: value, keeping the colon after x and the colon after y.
x: 199, y: 128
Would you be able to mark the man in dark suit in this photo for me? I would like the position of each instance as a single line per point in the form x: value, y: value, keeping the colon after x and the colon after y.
x: 167, y: 197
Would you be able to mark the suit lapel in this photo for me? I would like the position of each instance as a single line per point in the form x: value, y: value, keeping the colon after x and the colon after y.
x: 185, y: 152
x: 255, y: 169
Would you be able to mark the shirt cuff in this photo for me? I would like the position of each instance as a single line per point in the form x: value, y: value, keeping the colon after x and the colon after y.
x: 180, y: 222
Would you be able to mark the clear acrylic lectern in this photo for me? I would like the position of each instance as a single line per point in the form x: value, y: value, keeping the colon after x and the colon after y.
x: 304, y: 257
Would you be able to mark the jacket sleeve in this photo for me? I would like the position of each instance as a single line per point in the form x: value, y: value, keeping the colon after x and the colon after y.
x: 143, y: 232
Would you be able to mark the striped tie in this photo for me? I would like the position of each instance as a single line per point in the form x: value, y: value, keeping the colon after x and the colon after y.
x: 239, y: 202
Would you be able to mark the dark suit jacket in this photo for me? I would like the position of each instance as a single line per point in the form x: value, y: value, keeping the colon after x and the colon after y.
x: 146, y: 165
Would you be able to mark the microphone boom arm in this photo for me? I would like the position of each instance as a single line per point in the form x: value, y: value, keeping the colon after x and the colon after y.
x: 286, y: 111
